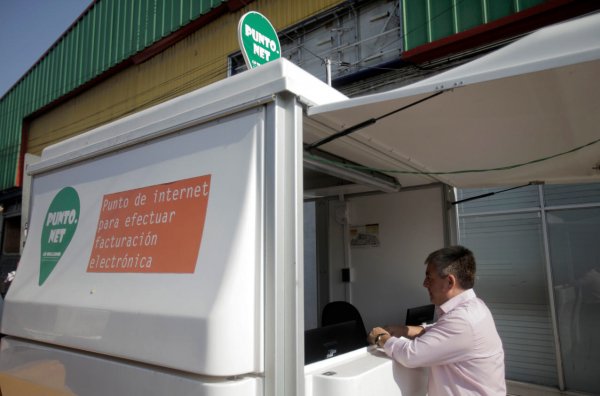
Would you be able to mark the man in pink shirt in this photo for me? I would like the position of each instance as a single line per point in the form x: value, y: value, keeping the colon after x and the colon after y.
x: 462, y: 349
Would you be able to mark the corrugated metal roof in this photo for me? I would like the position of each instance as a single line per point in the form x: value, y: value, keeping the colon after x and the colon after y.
x: 106, y: 34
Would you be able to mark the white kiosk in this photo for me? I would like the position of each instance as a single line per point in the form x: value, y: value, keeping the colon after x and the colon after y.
x: 165, y: 254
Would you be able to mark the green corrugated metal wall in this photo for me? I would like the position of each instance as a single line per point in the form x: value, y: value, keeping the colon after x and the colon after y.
x: 110, y: 32
x: 425, y: 21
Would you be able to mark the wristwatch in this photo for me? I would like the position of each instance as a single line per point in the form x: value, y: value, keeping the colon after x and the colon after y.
x: 379, y: 337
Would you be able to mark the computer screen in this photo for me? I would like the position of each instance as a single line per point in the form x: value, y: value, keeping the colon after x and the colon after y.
x: 329, y: 341
x: 418, y: 315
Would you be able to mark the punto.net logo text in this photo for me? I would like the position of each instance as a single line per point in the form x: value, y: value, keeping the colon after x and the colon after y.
x: 263, y: 46
x: 60, y: 218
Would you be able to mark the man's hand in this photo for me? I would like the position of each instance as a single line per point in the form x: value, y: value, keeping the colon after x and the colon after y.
x: 378, y: 336
x: 402, y: 331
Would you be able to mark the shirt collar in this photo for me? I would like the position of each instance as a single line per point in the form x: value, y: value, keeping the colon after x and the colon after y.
x: 455, y: 301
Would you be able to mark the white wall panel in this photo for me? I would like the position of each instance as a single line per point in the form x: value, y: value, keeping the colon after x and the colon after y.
x: 388, y: 279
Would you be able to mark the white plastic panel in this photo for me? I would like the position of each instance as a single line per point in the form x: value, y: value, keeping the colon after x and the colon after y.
x: 366, y: 371
x: 27, y: 368
x: 196, y: 308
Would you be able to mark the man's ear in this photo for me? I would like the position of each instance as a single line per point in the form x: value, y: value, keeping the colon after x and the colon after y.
x: 451, y: 279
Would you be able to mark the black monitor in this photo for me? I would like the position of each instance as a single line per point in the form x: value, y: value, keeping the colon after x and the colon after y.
x: 329, y: 341
x: 416, y: 316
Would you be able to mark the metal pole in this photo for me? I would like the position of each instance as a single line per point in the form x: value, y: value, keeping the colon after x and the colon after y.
x: 328, y: 70
x: 284, y: 283
x: 550, y: 283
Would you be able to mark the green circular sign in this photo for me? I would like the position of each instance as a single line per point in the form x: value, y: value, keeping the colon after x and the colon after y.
x: 258, y: 40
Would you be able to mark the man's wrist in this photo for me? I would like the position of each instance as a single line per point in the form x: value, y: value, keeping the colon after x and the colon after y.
x: 381, y: 339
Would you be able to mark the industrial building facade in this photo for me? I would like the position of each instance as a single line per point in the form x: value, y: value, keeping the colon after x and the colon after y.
x: 121, y: 57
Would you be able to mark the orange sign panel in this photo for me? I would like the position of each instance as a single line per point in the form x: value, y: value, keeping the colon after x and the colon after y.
x: 155, y: 229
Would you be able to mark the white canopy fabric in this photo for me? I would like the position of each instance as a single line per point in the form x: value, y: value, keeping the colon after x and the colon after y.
x: 529, y: 111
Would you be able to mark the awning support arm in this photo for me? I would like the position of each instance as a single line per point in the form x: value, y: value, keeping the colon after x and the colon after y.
x: 533, y: 183
x: 366, y: 123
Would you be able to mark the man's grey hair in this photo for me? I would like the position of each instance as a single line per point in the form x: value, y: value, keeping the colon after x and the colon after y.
x: 456, y: 260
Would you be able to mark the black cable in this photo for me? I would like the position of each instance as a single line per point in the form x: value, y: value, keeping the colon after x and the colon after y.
x: 462, y: 171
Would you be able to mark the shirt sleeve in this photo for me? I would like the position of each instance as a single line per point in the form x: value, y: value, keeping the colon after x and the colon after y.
x: 447, y: 341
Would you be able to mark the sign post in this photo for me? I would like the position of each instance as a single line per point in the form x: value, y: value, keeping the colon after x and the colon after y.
x: 258, y: 40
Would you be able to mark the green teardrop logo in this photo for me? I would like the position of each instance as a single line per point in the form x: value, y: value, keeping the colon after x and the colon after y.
x: 58, y: 229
